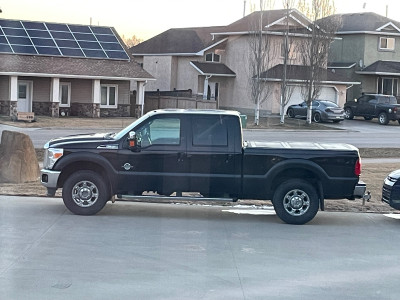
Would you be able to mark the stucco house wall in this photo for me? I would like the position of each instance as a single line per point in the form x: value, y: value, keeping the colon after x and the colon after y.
x: 160, y: 67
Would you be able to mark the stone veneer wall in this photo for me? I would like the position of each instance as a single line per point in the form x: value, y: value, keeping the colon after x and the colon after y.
x: 123, y: 110
x: 5, y: 108
x: 41, y: 108
x: 90, y: 110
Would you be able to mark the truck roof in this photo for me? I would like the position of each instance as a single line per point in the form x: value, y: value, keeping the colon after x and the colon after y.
x: 195, y: 111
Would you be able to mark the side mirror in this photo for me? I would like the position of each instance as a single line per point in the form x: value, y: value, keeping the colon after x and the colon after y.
x: 133, y: 142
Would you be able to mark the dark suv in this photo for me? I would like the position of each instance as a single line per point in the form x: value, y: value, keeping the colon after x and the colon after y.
x: 370, y: 106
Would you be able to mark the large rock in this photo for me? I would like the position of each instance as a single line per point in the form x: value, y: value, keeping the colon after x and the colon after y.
x: 18, y: 161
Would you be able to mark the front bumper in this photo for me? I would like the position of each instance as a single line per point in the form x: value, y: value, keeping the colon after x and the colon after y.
x: 49, y: 179
x: 391, y: 192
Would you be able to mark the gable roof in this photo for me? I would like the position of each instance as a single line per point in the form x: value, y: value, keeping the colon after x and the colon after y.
x: 271, y: 19
x: 296, y: 73
x: 194, y: 41
x: 178, y: 40
x: 67, y: 67
x: 367, y: 22
x: 382, y: 67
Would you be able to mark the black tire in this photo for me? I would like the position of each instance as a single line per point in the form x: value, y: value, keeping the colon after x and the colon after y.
x: 367, y: 118
x: 348, y: 113
x: 85, y: 193
x: 383, y: 118
x: 296, y: 201
x: 317, y: 118
x: 290, y: 113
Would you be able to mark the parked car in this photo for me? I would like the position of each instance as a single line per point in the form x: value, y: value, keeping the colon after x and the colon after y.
x: 391, y: 189
x: 369, y: 106
x: 322, y: 111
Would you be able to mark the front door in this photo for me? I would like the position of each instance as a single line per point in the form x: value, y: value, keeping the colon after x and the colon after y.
x: 24, y: 103
x: 160, y: 165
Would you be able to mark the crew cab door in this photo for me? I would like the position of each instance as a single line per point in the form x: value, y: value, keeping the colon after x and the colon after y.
x: 214, y: 161
x: 160, y: 163
x: 366, y: 105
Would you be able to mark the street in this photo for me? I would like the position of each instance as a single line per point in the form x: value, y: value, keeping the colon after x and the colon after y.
x: 167, y: 251
x: 360, y: 133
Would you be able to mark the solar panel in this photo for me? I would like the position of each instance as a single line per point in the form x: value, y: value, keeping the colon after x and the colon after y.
x: 41, y: 38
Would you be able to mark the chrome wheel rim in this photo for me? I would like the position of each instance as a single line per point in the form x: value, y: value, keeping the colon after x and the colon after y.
x: 382, y: 118
x: 347, y: 113
x: 296, y: 202
x: 85, y: 193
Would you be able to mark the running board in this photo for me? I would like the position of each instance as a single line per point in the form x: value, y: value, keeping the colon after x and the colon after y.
x: 178, y: 198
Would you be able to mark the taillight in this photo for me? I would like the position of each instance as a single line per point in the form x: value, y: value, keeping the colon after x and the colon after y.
x: 357, y: 167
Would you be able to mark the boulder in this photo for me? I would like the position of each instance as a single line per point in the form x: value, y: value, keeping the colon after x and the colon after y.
x: 18, y: 161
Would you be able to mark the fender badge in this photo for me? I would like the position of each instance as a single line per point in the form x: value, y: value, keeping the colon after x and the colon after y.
x: 127, y: 166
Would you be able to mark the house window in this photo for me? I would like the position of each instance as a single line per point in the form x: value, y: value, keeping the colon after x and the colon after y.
x: 387, y: 86
x: 65, y: 94
x: 212, y: 57
x: 109, y: 95
x: 386, y: 43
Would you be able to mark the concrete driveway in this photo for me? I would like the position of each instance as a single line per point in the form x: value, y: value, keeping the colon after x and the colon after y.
x: 164, y: 251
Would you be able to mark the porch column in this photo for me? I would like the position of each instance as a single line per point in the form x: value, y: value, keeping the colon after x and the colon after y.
x: 96, y: 98
x: 205, y: 89
x: 13, y: 96
x: 140, y: 98
x: 55, y: 98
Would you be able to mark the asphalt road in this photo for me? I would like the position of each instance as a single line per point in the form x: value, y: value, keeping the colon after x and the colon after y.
x: 165, y: 251
x: 360, y: 133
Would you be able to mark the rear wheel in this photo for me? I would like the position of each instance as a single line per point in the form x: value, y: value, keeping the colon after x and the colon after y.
x: 383, y: 118
x: 296, y: 201
x: 348, y: 113
x: 290, y: 113
x: 85, y: 193
x: 317, y: 118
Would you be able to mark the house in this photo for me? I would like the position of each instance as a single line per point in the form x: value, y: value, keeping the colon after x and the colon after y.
x: 368, y: 51
x: 214, y: 62
x: 66, y: 70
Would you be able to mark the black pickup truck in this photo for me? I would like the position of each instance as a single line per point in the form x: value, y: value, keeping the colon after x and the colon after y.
x: 370, y: 106
x: 175, y: 152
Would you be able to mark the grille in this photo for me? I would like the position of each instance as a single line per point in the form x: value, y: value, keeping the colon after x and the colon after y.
x: 386, y: 191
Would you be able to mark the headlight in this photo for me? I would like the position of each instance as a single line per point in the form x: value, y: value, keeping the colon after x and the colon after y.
x: 51, y: 156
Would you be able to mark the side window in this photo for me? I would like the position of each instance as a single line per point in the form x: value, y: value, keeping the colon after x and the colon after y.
x: 163, y: 131
x: 209, y: 131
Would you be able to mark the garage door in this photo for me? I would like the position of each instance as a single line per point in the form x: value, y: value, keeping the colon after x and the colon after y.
x: 327, y: 93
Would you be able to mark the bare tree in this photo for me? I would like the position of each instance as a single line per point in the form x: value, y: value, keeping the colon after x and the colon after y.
x: 132, y: 41
x: 287, y: 49
x: 314, y: 49
x: 259, y: 61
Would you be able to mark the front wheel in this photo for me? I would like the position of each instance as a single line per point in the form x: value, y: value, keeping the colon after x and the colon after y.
x: 383, y: 118
x: 348, y: 113
x: 85, y: 193
x: 296, y: 201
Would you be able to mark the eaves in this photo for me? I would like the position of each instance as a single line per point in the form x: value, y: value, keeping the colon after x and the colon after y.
x: 378, y: 73
x: 304, y: 81
x: 74, y: 76
x: 368, y: 32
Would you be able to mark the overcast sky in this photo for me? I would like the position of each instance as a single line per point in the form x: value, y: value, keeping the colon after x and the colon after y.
x: 146, y: 18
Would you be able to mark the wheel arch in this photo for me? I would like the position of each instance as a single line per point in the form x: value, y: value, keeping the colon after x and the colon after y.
x: 298, y: 169
x: 84, y: 161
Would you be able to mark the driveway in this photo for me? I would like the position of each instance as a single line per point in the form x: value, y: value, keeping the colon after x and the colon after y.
x: 165, y: 251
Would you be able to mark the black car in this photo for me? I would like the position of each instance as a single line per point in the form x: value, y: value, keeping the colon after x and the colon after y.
x: 322, y: 110
x: 369, y: 106
x: 391, y: 189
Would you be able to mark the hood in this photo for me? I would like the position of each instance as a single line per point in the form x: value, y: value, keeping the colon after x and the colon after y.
x: 395, y: 174
x: 80, y: 139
